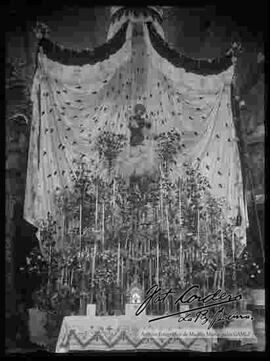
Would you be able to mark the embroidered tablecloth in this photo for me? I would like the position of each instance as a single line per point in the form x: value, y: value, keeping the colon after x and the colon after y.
x: 239, y: 330
x: 107, y: 333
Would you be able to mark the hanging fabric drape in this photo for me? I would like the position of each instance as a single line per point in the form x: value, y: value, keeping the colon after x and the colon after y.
x: 81, y: 98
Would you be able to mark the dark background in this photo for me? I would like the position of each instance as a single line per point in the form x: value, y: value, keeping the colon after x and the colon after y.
x: 198, y: 28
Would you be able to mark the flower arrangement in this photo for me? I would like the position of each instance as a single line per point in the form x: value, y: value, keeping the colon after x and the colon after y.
x: 106, y: 270
x: 109, y: 145
x: 168, y: 145
x: 183, y: 216
x: 249, y: 271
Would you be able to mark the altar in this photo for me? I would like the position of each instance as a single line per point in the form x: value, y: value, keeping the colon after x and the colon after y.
x: 122, y: 333
x: 143, y: 188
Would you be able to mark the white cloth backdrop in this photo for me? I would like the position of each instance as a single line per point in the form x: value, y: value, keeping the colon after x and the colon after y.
x: 73, y: 104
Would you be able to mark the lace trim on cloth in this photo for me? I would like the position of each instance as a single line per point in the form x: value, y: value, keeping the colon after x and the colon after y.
x: 137, y: 11
x: 72, y: 57
x: 196, y: 66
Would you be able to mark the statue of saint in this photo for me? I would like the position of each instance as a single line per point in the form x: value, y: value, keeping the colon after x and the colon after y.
x: 138, y: 125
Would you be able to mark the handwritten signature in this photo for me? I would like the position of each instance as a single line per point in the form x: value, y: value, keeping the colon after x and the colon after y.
x: 218, y: 298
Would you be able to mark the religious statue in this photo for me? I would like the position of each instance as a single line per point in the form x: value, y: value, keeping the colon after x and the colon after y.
x: 138, y: 125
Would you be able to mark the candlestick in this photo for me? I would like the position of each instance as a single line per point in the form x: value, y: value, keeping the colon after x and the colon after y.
x: 62, y: 276
x: 71, y: 277
x: 219, y: 279
x: 93, y: 263
x: 215, y: 280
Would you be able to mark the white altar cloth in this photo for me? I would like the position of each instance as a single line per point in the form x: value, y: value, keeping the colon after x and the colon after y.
x: 107, y: 333
x: 239, y: 330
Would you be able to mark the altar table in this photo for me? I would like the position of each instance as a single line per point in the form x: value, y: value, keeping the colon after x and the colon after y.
x: 107, y: 333
x: 239, y: 330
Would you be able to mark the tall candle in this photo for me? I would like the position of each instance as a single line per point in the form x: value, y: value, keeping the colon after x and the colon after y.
x: 63, y: 230
x: 113, y: 197
x: 122, y: 272
x: 93, y: 262
x: 65, y: 275
x: 180, y: 204
x: 103, y: 225
x: 96, y: 213
x: 180, y: 230
x: 168, y: 232
x: 157, y: 277
x: 222, y: 259
x: 150, y: 271
x: 80, y: 226
x: 161, y: 196
x: 181, y: 273
x: 233, y: 245
x: 118, y: 264
x: 198, y: 226
x: 207, y: 232
x: 233, y: 256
